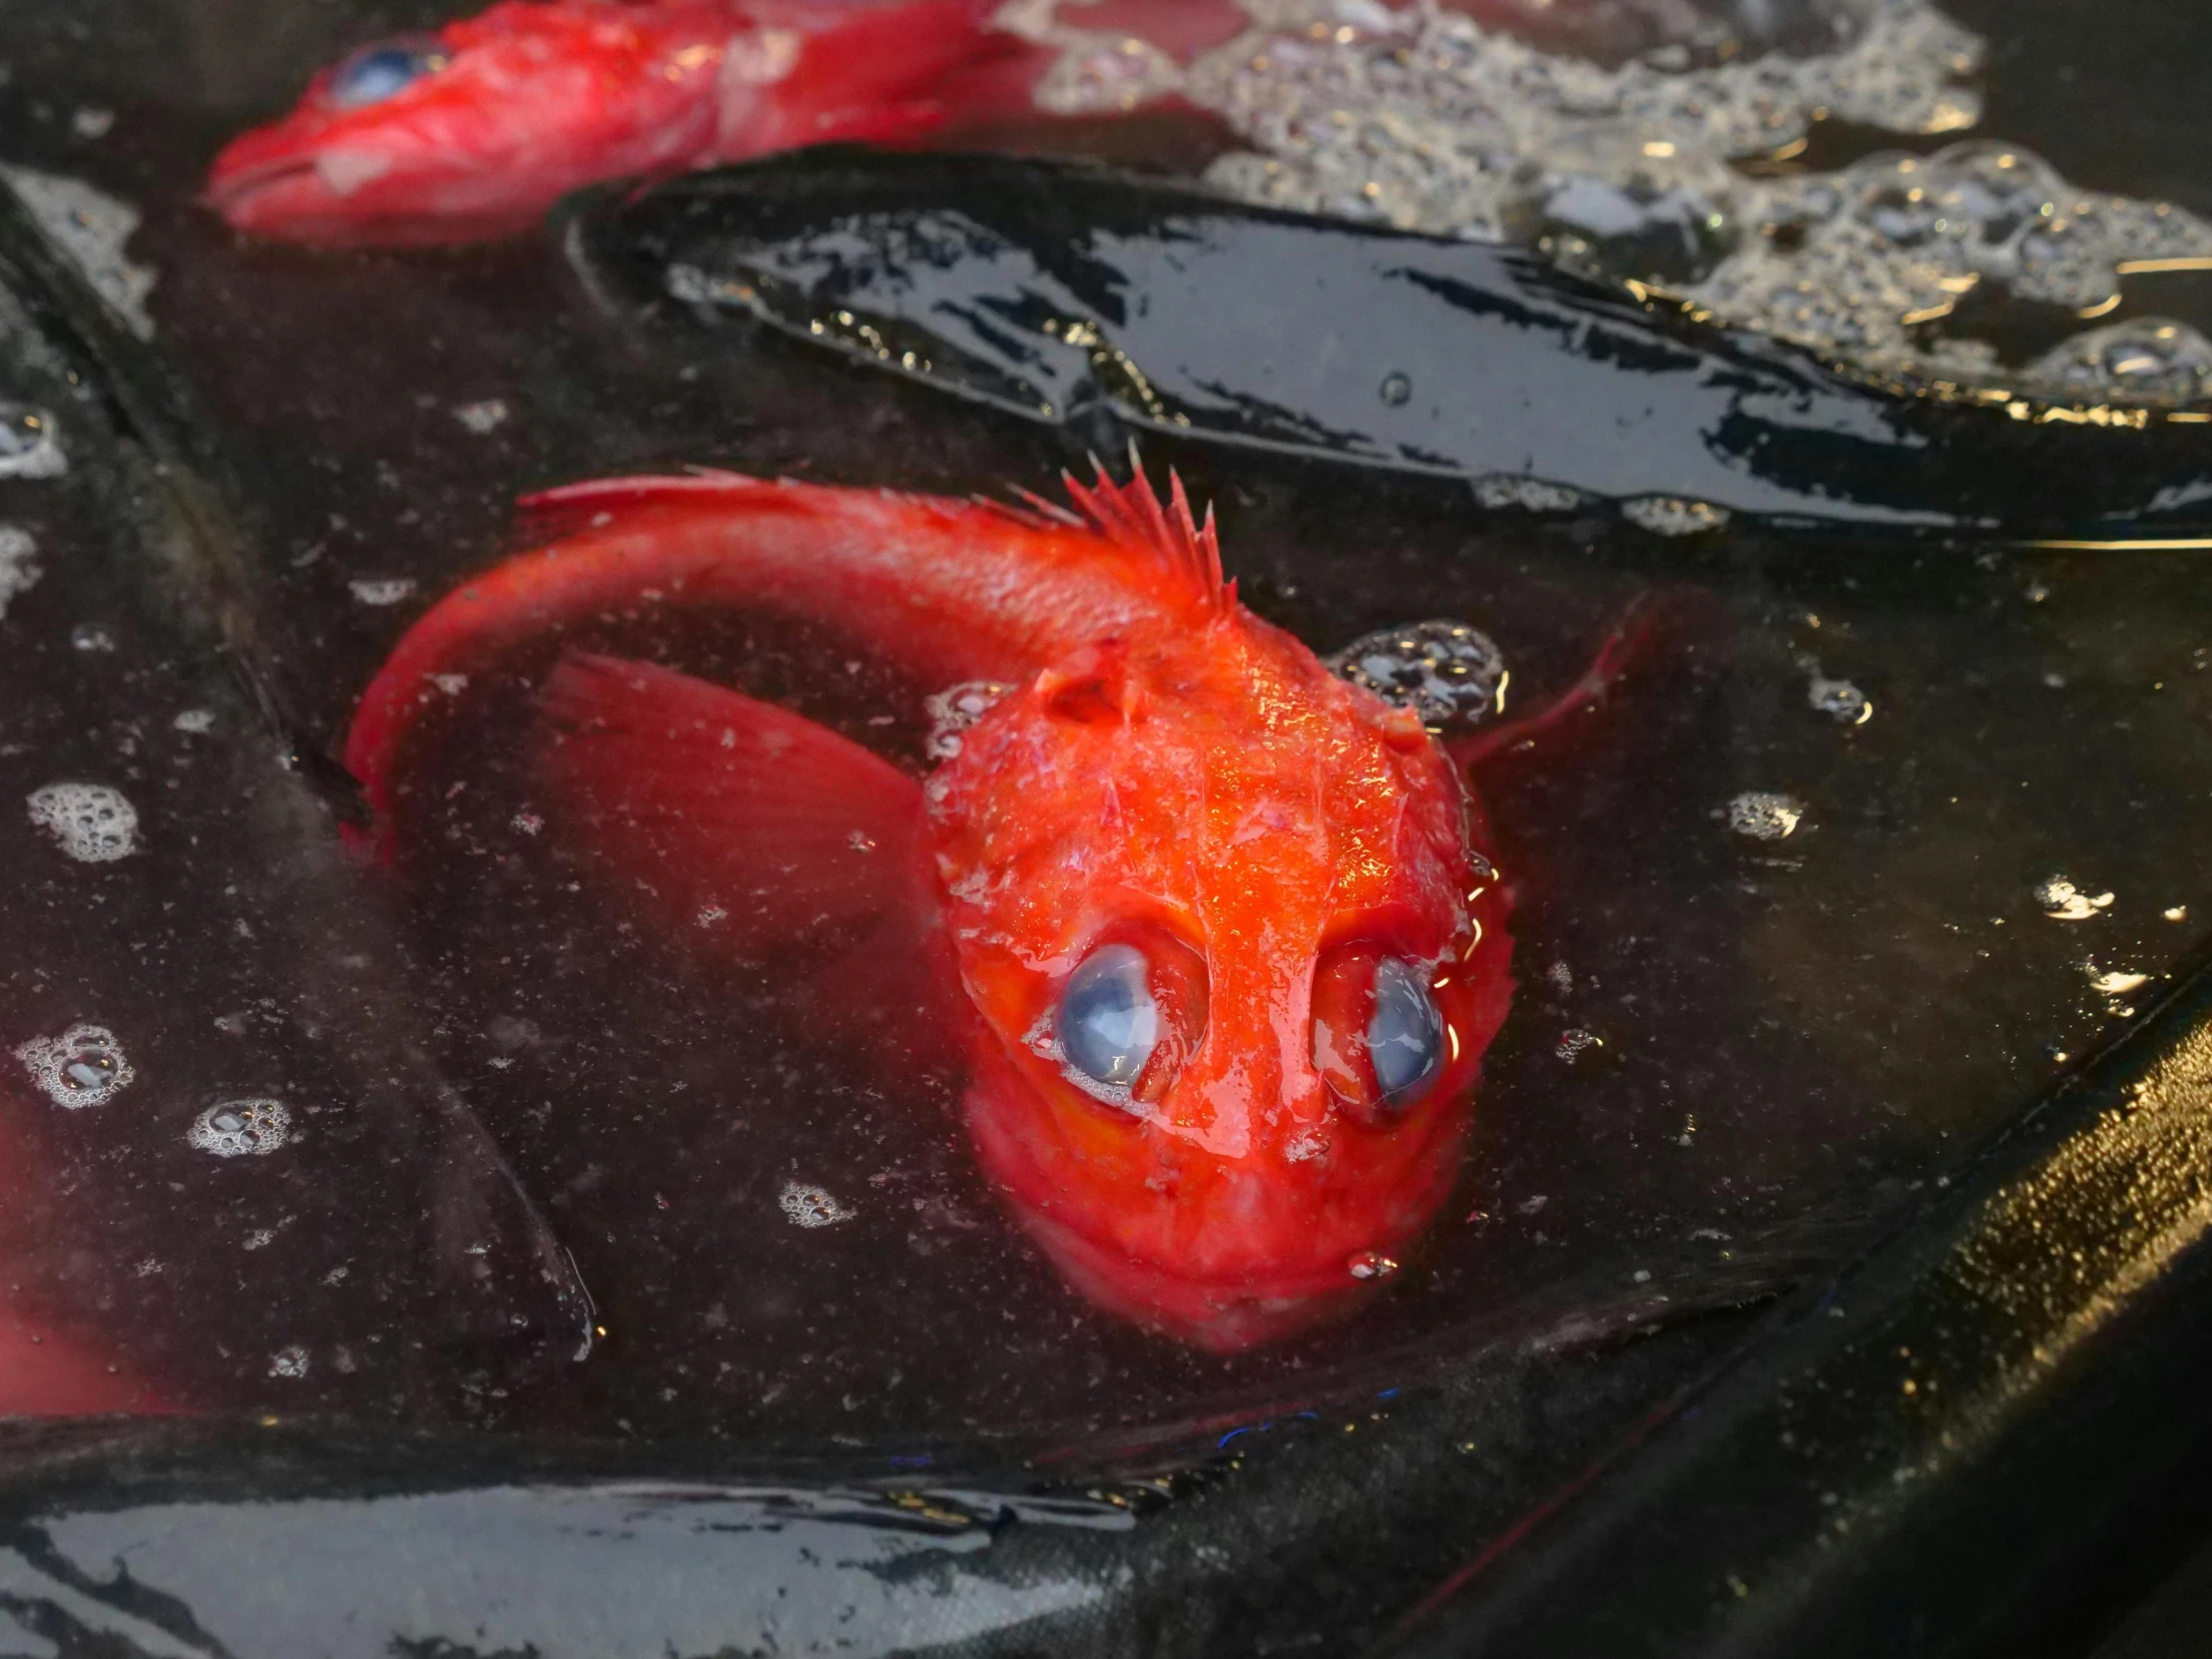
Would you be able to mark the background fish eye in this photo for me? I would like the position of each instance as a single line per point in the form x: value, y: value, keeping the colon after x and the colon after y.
x: 384, y: 70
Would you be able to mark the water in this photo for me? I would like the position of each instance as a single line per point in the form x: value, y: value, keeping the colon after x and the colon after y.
x: 519, y: 1161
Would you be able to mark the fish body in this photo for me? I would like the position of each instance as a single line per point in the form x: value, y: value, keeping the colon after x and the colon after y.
x: 1226, y: 950
x: 476, y: 130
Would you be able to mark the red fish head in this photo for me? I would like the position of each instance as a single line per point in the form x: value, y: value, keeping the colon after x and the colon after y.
x: 476, y: 130
x: 1238, y: 962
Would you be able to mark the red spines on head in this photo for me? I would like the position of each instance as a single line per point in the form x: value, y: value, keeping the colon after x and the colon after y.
x: 1132, y: 517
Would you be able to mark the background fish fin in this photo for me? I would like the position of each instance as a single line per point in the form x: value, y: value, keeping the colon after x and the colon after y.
x: 1131, y: 516
x: 735, y: 819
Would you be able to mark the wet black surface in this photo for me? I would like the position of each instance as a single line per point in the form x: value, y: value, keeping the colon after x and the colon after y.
x: 1084, y: 299
x: 1793, y: 1035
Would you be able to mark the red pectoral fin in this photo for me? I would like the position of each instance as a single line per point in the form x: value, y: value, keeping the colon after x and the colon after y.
x: 736, y: 818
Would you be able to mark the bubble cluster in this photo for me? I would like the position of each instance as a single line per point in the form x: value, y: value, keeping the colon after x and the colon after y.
x: 1422, y: 118
x: 1446, y: 672
x: 84, y: 1067
x: 91, y: 821
x: 1764, y: 814
x: 241, y: 1128
x: 19, y: 570
x: 810, y: 1205
x: 29, y: 444
x: 955, y: 709
x: 290, y: 1363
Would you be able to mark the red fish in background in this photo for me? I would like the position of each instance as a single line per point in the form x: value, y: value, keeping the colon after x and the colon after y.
x: 476, y: 130
x: 1229, y: 952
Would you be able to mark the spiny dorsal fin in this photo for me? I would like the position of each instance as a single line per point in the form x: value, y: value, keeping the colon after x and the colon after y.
x: 1131, y: 516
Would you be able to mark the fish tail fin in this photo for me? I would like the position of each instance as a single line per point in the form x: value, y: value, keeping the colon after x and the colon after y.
x: 1132, y: 517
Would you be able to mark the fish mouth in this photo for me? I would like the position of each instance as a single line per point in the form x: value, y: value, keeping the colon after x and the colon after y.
x: 1223, y: 1316
x: 294, y: 197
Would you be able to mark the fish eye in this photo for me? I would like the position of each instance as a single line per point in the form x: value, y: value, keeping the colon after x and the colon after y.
x: 1109, y: 1024
x: 1129, y: 1016
x: 384, y: 70
x: 1378, y: 1037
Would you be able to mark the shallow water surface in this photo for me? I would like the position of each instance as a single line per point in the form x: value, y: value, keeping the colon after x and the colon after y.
x: 1879, y: 837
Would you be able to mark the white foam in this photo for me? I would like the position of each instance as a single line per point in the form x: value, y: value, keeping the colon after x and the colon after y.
x: 91, y: 226
x: 91, y: 821
x: 84, y: 1067
x: 19, y: 569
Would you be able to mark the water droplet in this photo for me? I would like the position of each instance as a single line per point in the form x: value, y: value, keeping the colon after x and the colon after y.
x: 1370, y: 1264
x: 481, y: 418
x: 2175, y: 912
x: 2061, y: 900
x: 1396, y: 389
x: 84, y: 1067
x: 92, y: 822
x: 810, y: 1205
x: 29, y: 447
x: 2115, y: 982
x: 289, y: 1362
x: 1674, y: 515
x: 1764, y: 814
x: 1447, y: 673
x: 241, y: 1128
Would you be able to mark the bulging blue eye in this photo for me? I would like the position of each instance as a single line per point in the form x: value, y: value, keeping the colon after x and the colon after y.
x: 384, y: 70
x: 1108, y: 1023
x: 1405, y: 1034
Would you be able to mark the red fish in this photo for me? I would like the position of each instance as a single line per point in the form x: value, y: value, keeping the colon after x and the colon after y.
x: 1228, y: 946
x: 476, y: 130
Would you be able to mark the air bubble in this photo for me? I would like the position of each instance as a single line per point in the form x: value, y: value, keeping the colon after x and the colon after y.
x: 1840, y: 700
x: 95, y: 637
x: 1764, y: 814
x: 1395, y: 389
x: 195, y: 722
x: 1673, y: 515
x: 84, y: 1067
x: 1447, y: 673
x: 241, y: 1128
x: 29, y: 447
x: 92, y: 822
x: 810, y: 1205
x: 1370, y: 1264
x: 381, y: 590
x: 19, y: 570
x: 2149, y: 359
